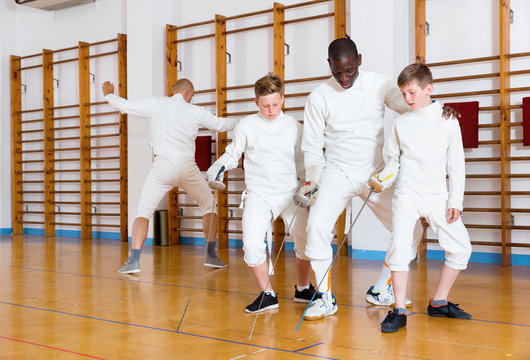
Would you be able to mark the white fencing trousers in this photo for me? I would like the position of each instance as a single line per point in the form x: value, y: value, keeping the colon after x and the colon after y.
x: 165, y: 175
x: 453, y: 238
x: 334, y: 194
x: 256, y: 218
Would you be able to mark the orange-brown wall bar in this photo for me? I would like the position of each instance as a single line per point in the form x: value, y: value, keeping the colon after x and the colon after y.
x: 124, y: 173
x: 84, y: 141
x: 16, y: 147
x: 279, y: 69
x: 504, y: 32
x: 171, y: 78
x: 340, y: 32
x: 49, y: 147
x: 220, y: 86
x: 420, y: 57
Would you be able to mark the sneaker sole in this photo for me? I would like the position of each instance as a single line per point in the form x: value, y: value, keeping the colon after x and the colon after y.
x: 270, y: 307
x: 313, y: 318
x: 129, y: 272
x: 391, y: 330
x: 447, y: 316
x: 299, y: 300
x: 215, y: 266
x: 373, y: 301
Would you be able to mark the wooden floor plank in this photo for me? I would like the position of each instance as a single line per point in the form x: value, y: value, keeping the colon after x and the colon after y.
x: 64, y: 299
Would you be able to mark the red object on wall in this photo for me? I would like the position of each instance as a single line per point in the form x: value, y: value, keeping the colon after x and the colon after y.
x: 203, y: 152
x: 526, y: 121
x: 468, y: 122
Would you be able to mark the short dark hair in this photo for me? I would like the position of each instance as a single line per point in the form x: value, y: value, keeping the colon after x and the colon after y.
x: 418, y: 72
x: 269, y: 84
x: 342, y: 47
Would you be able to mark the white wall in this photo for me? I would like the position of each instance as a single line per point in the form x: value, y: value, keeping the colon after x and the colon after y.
x: 383, y: 31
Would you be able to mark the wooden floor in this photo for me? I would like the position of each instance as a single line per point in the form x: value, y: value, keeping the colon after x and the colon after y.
x: 64, y: 299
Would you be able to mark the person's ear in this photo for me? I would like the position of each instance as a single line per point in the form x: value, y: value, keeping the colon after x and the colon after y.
x: 283, y: 99
x: 256, y: 101
x: 429, y: 88
x: 359, y: 60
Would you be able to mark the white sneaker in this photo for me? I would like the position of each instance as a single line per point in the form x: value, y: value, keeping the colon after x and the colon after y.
x: 383, y: 297
x: 321, y: 307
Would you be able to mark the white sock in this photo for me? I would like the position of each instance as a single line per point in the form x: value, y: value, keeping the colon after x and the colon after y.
x: 301, y: 288
x: 384, y: 280
x: 270, y: 292
x: 319, y: 267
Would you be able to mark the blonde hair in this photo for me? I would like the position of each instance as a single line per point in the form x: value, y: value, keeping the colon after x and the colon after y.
x: 182, y: 85
x: 269, y: 84
x: 418, y: 72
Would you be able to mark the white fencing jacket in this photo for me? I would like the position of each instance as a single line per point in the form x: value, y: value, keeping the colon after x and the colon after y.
x: 423, y: 148
x: 174, y: 122
x: 348, y: 123
x: 273, y: 160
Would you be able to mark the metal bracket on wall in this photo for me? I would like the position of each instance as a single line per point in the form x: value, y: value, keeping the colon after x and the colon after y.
x: 181, y: 211
x: 94, y: 209
x: 427, y: 28
x: 58, y: 208
x: 23, y: 88
x: 229, y: 60
x: 179, y: 65
x: 55, y: 83
x: 92, y: 78
x: 287, y: 49
x: 511, y: 16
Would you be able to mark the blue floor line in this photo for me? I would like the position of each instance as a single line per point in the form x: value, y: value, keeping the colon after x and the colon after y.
x: 167, y: 284
x: 380, y: 308
x: 165, y: 330
x: 309, y: 347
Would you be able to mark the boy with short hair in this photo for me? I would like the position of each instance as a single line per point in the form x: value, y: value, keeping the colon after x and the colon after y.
x: 423, y: 148
x: 273, y: 166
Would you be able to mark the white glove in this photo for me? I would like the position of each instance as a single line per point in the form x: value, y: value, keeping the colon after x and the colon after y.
x: 215, y: 176
x: 309, y: 190
x: 379, y: 184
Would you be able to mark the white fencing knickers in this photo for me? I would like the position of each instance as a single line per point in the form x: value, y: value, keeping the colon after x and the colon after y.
x: 165, y: 175
x: 453, y: 238
x: 334, y: 194
x: 257, y: 215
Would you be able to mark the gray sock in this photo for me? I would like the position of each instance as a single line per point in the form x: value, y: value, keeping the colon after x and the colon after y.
x: 135, y: 256
x: 401, y: 311
x: 211, y: 249
x: 439, y: 302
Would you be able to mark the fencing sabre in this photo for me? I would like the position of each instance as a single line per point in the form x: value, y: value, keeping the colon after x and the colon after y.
x: 301, y: 201
x: 332, y: 260
x: 213, y: 183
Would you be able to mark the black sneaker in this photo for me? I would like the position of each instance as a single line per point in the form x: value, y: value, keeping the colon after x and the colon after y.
x: 269, y: 302
x: 450, y: 310
x: 306, y: 295
x: 393, y: 321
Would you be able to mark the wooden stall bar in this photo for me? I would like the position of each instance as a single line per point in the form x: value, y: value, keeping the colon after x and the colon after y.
x: 221, y: 97
x: 16, y: 147
x: 279, y: 69
x: 49, y: 143
x: 84, y: 141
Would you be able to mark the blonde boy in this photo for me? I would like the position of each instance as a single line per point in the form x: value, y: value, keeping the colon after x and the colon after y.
x: 271, y: 143
x: 423, y: 148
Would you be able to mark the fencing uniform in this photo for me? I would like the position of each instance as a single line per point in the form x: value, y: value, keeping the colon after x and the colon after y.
x: 348, y: 123
x: 424, y: 148
x: 174, y: 127
x: 273, y: 164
